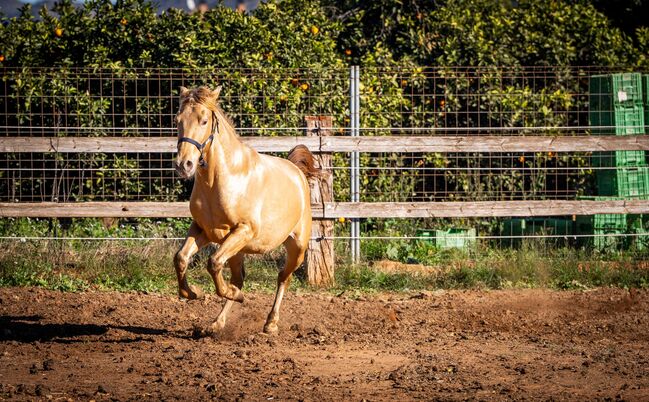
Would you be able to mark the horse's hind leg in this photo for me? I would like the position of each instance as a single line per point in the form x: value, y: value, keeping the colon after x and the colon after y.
x: 195, y: 240
x: 238, y: 275
x: 294, y: 257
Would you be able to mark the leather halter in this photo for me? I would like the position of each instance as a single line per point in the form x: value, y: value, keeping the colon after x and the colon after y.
x: 201, y: 147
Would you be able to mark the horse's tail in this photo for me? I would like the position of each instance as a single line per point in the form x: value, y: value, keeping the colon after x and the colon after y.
x: 303, y: 159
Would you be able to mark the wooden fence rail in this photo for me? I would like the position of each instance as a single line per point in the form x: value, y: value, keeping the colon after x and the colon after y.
x: 334, y: 210
x: 341, y: 144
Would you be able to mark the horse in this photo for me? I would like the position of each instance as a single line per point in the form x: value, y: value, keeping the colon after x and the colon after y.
x: 248, y: 203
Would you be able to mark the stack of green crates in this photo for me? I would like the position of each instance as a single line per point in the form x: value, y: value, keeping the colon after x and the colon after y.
x: 618, y: 106
x: 645, y: 96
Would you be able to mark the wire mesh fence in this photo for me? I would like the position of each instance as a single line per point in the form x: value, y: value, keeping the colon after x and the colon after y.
x: 462, y: 101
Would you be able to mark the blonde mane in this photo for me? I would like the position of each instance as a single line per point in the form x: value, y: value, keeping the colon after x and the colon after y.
x: 203, y: 96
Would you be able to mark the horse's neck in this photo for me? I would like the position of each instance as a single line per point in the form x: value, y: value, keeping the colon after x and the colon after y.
x: 226, y: 156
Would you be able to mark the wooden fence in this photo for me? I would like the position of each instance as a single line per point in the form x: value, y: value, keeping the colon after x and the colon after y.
x: 324, y: 209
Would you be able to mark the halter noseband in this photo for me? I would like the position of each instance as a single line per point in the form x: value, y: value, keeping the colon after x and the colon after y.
x: 201, y: 147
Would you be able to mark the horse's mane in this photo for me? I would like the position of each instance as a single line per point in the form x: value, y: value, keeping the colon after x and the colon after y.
x: 203, y: 96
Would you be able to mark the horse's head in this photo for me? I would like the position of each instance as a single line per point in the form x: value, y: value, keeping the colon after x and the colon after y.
x: 196, y: 122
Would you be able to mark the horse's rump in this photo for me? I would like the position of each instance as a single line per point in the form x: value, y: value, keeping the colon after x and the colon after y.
x: 303, y: 159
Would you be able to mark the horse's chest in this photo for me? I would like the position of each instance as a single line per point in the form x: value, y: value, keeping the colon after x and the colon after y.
x: 212, y: 218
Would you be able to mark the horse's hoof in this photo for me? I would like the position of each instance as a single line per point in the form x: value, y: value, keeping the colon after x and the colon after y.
x: 193, y: 293
x: 212, y: 330
x: 270, y: 328
x: 237, y: 296
x: 200, y: 332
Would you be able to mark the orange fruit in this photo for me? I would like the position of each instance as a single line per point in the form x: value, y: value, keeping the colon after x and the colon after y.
x: 315, y: 30
x: 521, y: 159
x: 294, y: 82
x: 550, y: 154
x: 348, y: 52
x: 304, y: 86
x: 58, y: 32
x: 123, y: 21
x: 341, y: 220
x: 2, y: 58
x: 404, y: 83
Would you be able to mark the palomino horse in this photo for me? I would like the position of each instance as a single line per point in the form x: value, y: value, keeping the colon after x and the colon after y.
x: 246, y: 202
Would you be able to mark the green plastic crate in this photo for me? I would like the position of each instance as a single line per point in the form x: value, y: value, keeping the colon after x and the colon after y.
x: 602, y: 242
x: 627, y: 182
x: 619, y: 158
x: 641, y: 241
x: 455, y: 238
x: 450, y: 238
x: 618, y: 121
x: 601, y: 225
x: 609, y: 90
x: 616, y: 104
x: 611, y: 222
x: 627, y: 88
x: 645, y: 89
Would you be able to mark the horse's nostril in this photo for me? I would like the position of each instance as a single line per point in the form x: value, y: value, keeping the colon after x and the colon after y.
x: 188, y: 165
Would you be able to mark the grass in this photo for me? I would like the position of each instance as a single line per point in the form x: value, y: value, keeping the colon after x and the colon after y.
x: 147, y: 267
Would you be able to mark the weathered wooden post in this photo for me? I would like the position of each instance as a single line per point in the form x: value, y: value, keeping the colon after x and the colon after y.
x: 320, y: 256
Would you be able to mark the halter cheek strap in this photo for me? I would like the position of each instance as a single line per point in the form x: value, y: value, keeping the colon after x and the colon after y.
x: 201, y: 147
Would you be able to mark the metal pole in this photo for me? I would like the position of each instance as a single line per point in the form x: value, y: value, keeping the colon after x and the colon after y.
x: 355, y: 160
x: 352, y: 171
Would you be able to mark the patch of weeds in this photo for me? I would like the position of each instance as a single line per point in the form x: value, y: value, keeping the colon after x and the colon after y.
x: 367, y: 278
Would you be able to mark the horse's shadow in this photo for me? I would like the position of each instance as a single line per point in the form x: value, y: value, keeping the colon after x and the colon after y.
x: 29, y: 329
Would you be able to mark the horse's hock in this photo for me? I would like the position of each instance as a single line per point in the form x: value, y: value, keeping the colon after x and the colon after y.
x: 320, y: 255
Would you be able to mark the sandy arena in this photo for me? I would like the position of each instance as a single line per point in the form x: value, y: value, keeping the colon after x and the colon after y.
x: 443, y: 345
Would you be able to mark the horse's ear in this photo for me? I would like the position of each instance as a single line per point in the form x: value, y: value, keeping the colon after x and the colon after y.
x: 217, y: 92
x: 183, y: 92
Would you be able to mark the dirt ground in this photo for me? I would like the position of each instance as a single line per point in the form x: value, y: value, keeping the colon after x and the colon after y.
x: 443, y: 345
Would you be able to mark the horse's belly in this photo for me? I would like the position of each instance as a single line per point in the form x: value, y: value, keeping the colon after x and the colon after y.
x: 263, y: 245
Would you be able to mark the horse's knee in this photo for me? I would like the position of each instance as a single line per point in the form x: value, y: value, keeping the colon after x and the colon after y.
x: 181, y: 260
x: 214, y: 265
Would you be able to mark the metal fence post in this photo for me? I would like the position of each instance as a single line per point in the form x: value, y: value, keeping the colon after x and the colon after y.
x: 354, y: 106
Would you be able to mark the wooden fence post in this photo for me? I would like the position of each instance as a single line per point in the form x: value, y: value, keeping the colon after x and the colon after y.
x: 320, y: 256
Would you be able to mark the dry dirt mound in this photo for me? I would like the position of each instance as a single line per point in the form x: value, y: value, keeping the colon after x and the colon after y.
x: 530, y: 344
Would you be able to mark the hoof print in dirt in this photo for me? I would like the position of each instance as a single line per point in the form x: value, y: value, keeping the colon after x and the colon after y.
x: 101, y: 390
x: 40, y: 390
x: 48, y: 365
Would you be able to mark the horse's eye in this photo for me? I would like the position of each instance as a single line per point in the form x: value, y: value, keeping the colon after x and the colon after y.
x: 204, y: 122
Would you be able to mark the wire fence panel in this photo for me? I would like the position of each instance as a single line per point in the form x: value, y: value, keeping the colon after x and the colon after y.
x: 478, y: 100
x: 143, y: 102
x: 45, y: 102
x: 462, y: 102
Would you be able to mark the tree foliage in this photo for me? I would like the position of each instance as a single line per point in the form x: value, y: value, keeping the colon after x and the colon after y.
x: 300, y: 50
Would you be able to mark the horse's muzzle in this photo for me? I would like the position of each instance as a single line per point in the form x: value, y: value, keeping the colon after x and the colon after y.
x: 185, y: 168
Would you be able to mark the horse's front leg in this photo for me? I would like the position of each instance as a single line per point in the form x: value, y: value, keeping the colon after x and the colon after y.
x: 195, y: 240
x: 238, y: 275
x: 235, y: 242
